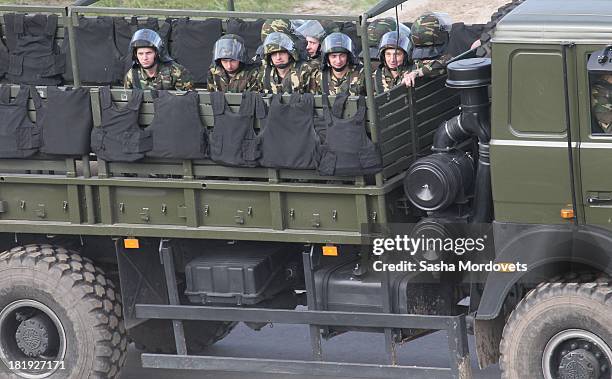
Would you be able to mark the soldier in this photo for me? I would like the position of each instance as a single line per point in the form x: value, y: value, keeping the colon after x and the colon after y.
x: 281, y: 70
x: 314, y: 32
x: 393, y: 53
x: 230, y: 71
x: 601, y: 102
x: 280, y: 25
x: 152, y: 67
x: 376, y: 30
x: 340, y: 71
x: 429, y: 37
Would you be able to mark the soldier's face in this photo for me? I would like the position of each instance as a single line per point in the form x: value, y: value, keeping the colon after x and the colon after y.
x: 394, y: 58
x: 313, y: 46
x: 146, y: 56
x: 337, y: 60
x: 280, y: 58
x: 230, y: 65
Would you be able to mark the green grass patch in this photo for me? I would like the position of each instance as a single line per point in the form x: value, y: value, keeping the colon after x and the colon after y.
x: 219, y: 5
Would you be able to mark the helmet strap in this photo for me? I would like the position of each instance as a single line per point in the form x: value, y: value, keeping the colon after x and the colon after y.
x: 339, y: 69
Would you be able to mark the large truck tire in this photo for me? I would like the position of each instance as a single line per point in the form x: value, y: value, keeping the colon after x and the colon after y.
x: 59, y: 316
x: 561, y: 329
x: 157, y: 336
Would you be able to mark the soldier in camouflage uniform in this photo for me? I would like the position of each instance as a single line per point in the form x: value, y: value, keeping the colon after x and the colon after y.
x: 281, y: 70
x: 314, y: 32
x: 230, y: 71
x: 152, y: 67
x: 280, y: 25
x: 429, y: 37
x: 601, y: 102
x: 340, y: 70
x: 376, y: 30
x: 393, y: 53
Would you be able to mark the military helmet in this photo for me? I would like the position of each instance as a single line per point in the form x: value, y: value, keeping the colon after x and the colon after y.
x: 337, y: 43
x: 390, y: 40
x: 313, y: 29
x: 275, y: 25
x: 149, y: 38
x: 277, y: 41
x: 430, y: 29
x: 378, y: 28
x: 230, y: 46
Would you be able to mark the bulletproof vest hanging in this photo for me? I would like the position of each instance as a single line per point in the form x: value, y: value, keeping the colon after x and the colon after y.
x: 98, y: 57
x: 4, y: 58
x: 250, y: 31
x: 34, y: 56
x: 190, y: 49
x: 19, y: 137
x: 462, y: 36
x: 119, y: 137
x: 232, y: 140
x: 289, y: 139
x: 124, y: 30
x: 65, y: 132
x: 176, y: 128
x: 348, y: 151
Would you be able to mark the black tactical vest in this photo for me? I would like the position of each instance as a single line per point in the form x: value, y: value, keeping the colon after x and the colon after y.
x: 119, y: 137
x: 34, y: 57
x: 124, y: 30
x: 65, y: 120
x: 289, y: 139
x: 176, y: 128
x: 250, y: 31
x: 19, y: 137
x: 232, y: 141
x: 98, y: 57
x: 192, y: 45
x: 347, y: 150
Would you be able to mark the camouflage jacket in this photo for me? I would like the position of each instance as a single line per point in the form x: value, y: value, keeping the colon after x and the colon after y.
x: 431, y: 67
x: 387, y: 79
x: 219, y: 80
x: 352, y: 82
x: 296, y: 80
x: 169, y: 76
x: 601, y: 104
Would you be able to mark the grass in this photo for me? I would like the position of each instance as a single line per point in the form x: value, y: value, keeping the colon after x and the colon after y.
x: 279, y: 6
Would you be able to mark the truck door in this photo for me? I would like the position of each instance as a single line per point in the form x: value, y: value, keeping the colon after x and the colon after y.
x: 594, y: 94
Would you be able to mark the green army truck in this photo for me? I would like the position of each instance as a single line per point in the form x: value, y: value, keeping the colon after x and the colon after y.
x: 172, y: 253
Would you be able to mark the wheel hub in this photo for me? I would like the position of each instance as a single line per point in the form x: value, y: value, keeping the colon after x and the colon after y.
x: 36, y: 336
x: 579, y: 364
x: 576, y: 354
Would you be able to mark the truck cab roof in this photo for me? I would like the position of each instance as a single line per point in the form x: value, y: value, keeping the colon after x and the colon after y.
x: 555, y: 21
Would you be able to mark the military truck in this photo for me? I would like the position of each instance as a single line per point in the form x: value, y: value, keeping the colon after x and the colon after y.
x: 172, y: 253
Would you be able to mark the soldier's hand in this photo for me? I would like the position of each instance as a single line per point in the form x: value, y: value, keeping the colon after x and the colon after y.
x: 410, y: 78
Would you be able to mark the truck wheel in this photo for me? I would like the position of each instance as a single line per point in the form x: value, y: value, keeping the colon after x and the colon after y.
x: 157, y: 336
x: 59, y: 316
x: 560, y: 330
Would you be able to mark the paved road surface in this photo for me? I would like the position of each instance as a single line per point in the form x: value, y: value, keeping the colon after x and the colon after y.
x: 292, y: 342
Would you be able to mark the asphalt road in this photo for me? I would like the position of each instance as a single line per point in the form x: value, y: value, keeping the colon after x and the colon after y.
x: 292, y: 342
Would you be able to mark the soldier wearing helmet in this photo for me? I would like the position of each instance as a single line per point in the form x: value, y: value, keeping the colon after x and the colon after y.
x: 376, y: 30
x: 601, y: 102
x: 281, y: 70
x: 269, y: 26
x: 230, y: 71
x: 394, y: 56
x: 340, y: 70
x: 152, y: 67
x: 314, y: 32
x: 429, y: 37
